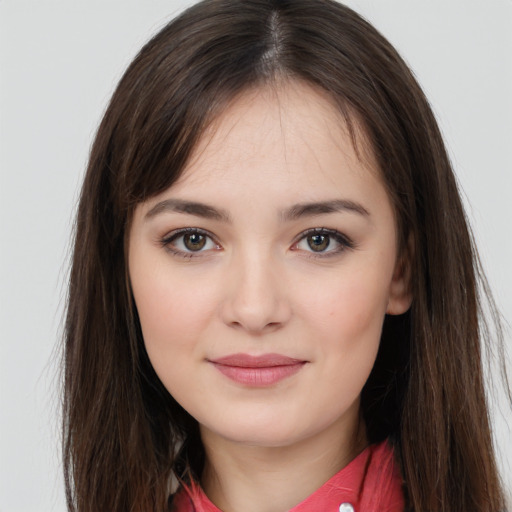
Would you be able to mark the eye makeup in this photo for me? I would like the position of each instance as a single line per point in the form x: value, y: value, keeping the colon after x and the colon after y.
x: 191, y: 242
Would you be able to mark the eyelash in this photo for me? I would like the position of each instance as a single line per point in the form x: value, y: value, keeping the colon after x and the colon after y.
x: 166, y: 242
x: 341, y: 239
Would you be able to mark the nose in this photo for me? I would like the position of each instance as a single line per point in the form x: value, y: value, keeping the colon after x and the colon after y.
x: 256, y: 297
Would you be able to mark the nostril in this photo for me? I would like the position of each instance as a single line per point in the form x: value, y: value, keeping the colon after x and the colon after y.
x: 271, y: 326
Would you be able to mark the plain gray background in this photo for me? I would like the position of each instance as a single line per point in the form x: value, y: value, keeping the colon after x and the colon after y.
x: 59, y: 63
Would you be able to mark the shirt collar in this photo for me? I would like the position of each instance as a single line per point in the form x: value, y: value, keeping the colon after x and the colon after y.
x: 371, y: 482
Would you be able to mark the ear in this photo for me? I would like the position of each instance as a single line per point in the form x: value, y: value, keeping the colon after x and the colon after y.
x: 400, y: 294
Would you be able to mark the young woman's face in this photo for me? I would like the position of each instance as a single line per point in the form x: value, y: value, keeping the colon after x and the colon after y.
x: 263, y: 275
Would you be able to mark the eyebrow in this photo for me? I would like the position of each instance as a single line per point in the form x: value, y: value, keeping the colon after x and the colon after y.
x: 190, y: 207
x: 320, y: 208
x: 293, y: 213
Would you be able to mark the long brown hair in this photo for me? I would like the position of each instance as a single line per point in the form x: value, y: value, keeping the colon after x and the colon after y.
x: 124, y: 436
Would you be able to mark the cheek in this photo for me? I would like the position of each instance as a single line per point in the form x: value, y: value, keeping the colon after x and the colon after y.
x: 157, y: 307
x: 346, y: 320
x: 167, y: 322
x: 163, y: 291
x: 352, y: 305
x: 172, y: 314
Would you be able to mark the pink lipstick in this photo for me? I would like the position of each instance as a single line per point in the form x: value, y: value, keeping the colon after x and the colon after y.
x: 257, y: 371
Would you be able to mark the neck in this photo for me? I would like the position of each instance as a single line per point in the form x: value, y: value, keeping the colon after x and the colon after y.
x: 243, y: 477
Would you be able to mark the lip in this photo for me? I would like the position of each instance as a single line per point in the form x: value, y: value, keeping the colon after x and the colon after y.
x: 257, y: 371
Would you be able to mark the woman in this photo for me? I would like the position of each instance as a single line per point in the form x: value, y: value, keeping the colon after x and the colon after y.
x: 273, y: 293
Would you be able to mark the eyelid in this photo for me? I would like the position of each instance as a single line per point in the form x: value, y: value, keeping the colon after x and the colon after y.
x: 166, y: 242
x: 343, y: 240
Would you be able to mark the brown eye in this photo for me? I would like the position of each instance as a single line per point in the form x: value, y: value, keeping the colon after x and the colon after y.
x: 194, y: 241
x: 323, y: 242
x: 190, y: 242
x: 318, y: 243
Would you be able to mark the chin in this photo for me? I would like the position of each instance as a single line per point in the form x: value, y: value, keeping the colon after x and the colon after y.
x: 251, y: 431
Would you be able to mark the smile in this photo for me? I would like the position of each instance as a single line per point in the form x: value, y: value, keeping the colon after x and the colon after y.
x: 257, y: 371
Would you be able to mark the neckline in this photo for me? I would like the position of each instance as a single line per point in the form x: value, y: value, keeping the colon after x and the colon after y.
x: 371, y: 482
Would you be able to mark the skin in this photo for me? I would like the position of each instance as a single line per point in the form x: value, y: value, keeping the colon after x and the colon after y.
x: 257, y: 286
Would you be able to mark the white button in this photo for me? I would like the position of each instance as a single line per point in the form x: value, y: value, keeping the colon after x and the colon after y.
x: 346, y: 507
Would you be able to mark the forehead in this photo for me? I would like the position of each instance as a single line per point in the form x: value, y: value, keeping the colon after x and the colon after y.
x: 275, y: 147
x: 280, y: 125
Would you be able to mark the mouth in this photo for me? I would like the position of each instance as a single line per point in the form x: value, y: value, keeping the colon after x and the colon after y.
x: 257, y: 371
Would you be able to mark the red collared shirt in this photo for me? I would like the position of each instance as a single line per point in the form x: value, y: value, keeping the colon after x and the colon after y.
x: 370, y: 483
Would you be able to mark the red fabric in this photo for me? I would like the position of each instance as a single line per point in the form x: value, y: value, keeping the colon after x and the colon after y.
x: 370, y: 483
